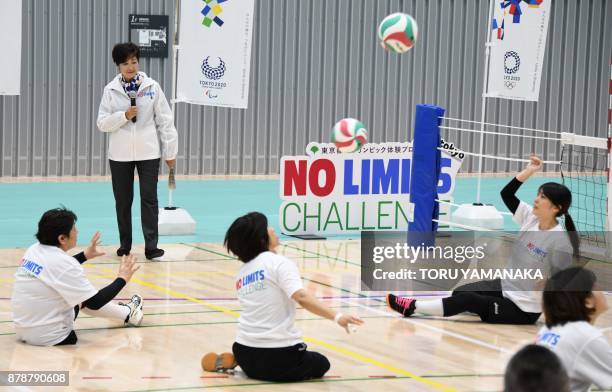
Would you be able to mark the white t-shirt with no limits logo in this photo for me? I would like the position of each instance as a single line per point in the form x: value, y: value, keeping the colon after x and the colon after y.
x: 265, y: 286
x: 546, y: 250
x: 584, y: 351
x: 49, y: 283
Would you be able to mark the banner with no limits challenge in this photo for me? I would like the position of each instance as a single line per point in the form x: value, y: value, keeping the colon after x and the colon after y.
x: 328, y: 192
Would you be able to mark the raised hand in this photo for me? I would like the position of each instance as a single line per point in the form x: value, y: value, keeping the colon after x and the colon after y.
x: 92, y: 250
x: 127, y: 267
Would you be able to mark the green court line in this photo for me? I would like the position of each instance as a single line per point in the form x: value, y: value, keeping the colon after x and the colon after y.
x: 310, y: 280
x: 164, y: 261
x: 206, y: 311
x: 320, y: 255
x: 139, y: 262
x: 341, y: 289
x: 199, y: 323
x: 146, y: 314
x: 228, y: 257
x: 254, y: 384
x: 328, y: 380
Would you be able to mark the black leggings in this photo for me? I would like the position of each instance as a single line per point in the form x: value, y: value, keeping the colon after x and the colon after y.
x: 486, y: 300
x: 291, y: 363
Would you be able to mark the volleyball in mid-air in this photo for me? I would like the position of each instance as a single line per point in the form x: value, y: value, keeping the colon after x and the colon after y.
x: 398, y: 32
x: 349, y: 135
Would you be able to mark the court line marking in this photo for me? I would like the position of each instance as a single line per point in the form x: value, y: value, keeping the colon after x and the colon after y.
x: 329, y: 346
x: 440, y: 330
x: 252, y: 384
x: 326, y: 380
x: 320, y: 255
x: 214, y: 252
x: 199, y: 323
x: 139, y: 261
x: 409, y: 320
x: 235, y: 314
x: 195, y: 312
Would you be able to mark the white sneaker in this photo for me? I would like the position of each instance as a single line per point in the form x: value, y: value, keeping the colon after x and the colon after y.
x: 135, y: 305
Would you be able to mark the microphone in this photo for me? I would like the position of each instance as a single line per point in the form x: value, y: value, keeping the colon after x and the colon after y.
x: 132, y: 95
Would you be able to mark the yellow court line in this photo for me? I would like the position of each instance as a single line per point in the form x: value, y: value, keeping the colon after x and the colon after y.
x: 186, y: 273
x: 176, y: 294
x: 331, y: 347
x: 379, y: 364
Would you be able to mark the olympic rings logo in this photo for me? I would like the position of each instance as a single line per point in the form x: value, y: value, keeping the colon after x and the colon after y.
x: 512, y: 66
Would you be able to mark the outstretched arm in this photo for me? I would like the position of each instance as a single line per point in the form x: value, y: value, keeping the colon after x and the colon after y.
x: 508, y: 194
x: 313, y: 305
x: 126, y: 270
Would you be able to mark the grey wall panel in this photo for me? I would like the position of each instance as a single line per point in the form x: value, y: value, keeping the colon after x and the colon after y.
x: 313, y: 62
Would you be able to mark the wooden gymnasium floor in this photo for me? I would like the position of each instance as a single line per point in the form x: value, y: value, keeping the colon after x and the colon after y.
x: 190, y: 309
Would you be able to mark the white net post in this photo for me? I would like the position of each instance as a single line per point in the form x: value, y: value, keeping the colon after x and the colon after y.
x: 609, y: 190
x: 609, y: 193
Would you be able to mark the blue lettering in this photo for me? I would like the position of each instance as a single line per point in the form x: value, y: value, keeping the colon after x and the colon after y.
x: 383, y: 179
x: 365, y: 177
x: 444, y: 178
x: 550, y: 338
x: 405, y: 176
x: 31, y: 266
x: 253, y: 277
x: 349, y: 187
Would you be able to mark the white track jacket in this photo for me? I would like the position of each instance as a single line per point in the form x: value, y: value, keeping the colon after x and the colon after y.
x: 154, y: 126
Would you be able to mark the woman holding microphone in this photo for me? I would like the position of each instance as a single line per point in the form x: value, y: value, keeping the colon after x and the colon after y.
x: 135, y: 112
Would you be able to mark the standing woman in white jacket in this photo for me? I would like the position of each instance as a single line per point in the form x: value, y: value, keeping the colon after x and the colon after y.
x: 140, y: 136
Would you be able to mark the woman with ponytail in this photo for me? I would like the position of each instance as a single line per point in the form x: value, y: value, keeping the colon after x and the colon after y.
x: 543, y: 244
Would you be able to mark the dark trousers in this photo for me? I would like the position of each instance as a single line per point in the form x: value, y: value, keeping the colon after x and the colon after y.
x: 293, y: 363
x: 486, y: 300
x: 123, y: 188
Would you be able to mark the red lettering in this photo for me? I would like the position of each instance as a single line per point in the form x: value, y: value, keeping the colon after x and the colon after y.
x: 330, y: 177
x: 295, y: 176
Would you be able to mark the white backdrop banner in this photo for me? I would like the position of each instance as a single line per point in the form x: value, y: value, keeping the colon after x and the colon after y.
x: 10, y: 42
x: 517, y: 53
x: 214, y: 54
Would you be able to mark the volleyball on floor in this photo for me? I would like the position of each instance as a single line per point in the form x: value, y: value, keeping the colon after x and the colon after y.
x: 398, y: 32
x: 349, y: 135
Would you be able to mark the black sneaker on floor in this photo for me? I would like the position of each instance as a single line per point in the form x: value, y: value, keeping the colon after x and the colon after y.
x: 154, y: 254
x: 123, y: 252
x: 403, y: 305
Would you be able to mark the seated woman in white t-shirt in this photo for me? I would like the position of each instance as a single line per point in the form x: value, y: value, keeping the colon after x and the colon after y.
x: 268, y: 345
x: 572, y: 303
x: 51, y: 287
x: 543, y: 244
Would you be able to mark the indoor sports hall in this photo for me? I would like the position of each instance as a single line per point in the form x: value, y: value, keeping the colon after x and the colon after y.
x: 349, y: 125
